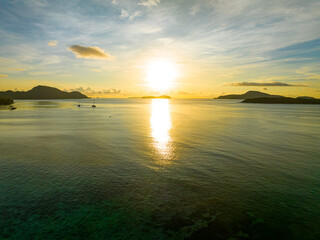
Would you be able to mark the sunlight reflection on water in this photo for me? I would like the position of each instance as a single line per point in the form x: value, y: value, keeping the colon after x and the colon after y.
x: 160, y: 121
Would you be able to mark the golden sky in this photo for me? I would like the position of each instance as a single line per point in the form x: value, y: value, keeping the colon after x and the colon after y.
x: 184, y: 48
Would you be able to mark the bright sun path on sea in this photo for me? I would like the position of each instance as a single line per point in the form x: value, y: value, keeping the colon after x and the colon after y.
x: 161, y: 74
x: 160, y: 125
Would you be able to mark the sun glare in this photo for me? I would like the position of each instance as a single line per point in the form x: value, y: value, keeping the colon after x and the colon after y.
x: 161, y: 74
x: 160, y: 125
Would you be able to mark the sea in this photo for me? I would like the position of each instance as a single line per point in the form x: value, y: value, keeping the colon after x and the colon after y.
x: 159, y: 169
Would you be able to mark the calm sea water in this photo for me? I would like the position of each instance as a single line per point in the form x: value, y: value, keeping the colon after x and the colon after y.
x: 159, y: 169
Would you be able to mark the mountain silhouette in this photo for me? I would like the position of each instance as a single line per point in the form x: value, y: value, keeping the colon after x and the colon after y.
x: 42, y: 92
x: 5, y: 101
x: 284, y: 100
x: 249, y: 95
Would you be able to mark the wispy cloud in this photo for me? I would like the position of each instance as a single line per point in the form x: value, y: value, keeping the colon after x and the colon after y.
x: 111, y: 91
x: 40, y: 73
x: 125, y: 14
x: 96, y: 70
x: 135, y: 14
x: 13, y: 69
x: 3, y: 75
x: 89, y: 52
x: 184, y: 93
x: 263, y: 84
x: 149, y: 3
x: 195, y: 9
x: 53, y: 43
x: 90, y: 91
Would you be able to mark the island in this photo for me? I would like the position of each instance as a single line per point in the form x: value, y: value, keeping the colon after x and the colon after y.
x: 261, y: 97
x: 249, y: 95
x: 42, y: 92
x: 6, y: 101
x: 162, y: 97
x: 284, y: 100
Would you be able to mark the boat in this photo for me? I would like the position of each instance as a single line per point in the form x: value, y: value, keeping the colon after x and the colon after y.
x: 93, y: 105
x: 12, y: 108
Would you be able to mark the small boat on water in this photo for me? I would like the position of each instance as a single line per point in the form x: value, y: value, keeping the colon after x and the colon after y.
x: 93, y: 105
x: 12, y: 108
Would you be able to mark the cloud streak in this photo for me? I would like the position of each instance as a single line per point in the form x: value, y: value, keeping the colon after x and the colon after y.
x: 89, y: 91
x: 3, y: 75
x: 262, y: 84
x: 96, y: 70
x: 53, y: 43
x: 149, y: 3
x: 89, y: 52
x: 125, y: 14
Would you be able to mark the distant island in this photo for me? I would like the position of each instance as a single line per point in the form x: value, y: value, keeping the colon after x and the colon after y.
x: 284, y: 100
x: 6, y: 101
x: 260, y: 97
x: 162, y: 97
x: 42, y: 92
x: 249, y: 95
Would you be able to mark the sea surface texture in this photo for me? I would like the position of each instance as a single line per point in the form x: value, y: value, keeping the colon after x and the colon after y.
x: 159, y: 169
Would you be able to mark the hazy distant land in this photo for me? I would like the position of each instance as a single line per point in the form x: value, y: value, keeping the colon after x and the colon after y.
x: 162, y: 97
x: 42, y: 92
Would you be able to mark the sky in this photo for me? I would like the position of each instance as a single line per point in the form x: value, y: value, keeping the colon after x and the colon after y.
x: 106, y: 48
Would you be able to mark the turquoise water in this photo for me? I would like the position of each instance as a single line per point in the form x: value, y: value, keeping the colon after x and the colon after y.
x: 159, y: 169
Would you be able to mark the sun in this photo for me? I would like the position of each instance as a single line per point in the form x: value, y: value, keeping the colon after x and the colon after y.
x: 161, y: 74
